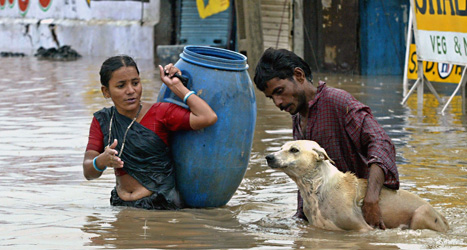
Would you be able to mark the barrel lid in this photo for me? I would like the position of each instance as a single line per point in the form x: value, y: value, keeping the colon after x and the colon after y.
x: 216, y: 58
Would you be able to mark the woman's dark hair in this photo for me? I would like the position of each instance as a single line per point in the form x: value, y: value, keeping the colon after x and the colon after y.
x: 279, y: 63
x: 114, y: 63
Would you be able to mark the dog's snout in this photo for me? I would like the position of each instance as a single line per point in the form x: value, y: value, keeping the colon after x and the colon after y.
x: 273, y: 161
x: 270, y: 158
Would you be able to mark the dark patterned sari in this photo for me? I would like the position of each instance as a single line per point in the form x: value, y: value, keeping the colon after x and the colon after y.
x: 147, y: 159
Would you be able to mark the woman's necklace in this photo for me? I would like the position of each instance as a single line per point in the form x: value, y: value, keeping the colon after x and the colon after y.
x: 126, y: 131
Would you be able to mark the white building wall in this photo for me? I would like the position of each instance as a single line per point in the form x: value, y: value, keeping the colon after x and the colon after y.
x: 95, y: 28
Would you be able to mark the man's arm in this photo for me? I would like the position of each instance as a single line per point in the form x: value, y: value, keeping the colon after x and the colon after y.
x: 370, y: 207
x: 372, y: 141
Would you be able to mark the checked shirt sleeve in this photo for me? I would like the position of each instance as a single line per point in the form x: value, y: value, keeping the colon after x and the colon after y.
x: 371, y: 139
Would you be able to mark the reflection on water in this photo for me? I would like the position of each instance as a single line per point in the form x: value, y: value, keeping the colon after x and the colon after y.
x: 46, y: 108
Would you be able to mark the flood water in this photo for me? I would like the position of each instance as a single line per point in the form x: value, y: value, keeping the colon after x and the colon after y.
x: 45, y: 202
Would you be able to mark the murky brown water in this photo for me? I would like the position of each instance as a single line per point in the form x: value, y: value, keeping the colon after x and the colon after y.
x: 45, y: 202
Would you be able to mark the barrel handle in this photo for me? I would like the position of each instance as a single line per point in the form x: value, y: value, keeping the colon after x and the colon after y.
x: 170, y: 96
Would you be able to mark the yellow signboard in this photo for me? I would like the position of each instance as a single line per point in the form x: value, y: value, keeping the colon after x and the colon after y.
x: 440, y: 29
x: 213, y: 7
x: 433, y: 71
x: 448, y: 16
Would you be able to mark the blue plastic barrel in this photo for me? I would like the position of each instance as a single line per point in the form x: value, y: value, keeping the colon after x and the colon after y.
x: 210, y: 163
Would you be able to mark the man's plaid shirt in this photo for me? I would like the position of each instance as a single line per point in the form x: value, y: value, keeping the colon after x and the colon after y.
x: 348, y: 132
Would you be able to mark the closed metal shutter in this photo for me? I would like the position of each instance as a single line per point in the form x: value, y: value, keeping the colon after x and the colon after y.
x: 277, y: 19
x: 213, y: 30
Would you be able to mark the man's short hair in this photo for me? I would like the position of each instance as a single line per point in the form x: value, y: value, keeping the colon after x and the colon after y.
x: 279, y: 63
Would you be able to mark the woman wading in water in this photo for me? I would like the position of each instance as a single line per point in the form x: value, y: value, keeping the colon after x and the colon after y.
x: 132, y: 136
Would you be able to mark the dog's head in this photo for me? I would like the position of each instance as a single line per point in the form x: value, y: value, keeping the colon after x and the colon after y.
x: 296, y: 158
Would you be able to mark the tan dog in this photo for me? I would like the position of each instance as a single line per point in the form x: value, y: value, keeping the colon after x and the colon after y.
x: 332, y: 200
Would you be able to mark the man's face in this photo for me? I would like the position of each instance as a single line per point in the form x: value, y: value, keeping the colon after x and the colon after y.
x: 287, y: 95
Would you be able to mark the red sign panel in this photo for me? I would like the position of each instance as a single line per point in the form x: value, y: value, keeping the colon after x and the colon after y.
x: 45, y: 3
x: 23, y: 5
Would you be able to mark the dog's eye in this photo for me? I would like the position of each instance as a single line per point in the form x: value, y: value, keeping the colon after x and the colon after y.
x: 293, y: 150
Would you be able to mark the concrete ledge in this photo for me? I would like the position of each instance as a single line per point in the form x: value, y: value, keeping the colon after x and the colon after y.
x: 89, y: 38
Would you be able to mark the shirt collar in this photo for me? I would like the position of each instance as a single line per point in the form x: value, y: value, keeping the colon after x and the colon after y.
x: 321, y: 85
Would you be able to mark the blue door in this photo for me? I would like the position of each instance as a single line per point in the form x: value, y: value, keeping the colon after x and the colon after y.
x: 383, y: 31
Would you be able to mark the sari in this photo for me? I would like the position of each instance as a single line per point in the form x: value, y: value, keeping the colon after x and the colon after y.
x: 147, y: 159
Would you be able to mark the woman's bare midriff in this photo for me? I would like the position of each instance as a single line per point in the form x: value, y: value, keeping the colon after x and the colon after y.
x: 129, y: 189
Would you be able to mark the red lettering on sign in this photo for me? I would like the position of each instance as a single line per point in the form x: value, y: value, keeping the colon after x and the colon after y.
x: 23, y: 5
x: 45, y: 3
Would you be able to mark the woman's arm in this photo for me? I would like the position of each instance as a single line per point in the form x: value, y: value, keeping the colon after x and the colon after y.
x: 201, y: 115
x: 88, y: 169
x: 106, y: 159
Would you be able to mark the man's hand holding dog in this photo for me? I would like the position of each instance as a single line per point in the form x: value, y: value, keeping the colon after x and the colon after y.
x: 370, y: 207
x: 372, y: 215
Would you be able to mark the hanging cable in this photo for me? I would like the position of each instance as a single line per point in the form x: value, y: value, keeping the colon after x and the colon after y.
x: 280, y: 24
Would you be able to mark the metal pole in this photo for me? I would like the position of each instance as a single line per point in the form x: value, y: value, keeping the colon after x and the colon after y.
x: 461, y: 84
x: 420, y: 87
x: 414, y: 86
x: 405, y: 82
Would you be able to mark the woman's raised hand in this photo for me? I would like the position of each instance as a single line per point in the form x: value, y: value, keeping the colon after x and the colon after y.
x: 167, y: 72
x: 110, y: 156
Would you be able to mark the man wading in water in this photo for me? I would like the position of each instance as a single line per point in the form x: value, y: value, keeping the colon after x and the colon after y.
x: 343, y: 126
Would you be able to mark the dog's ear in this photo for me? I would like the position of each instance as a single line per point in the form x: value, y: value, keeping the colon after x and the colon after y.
x: 323, y: 155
